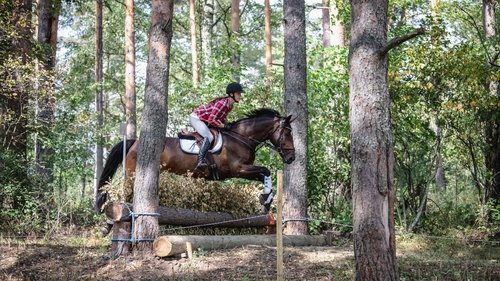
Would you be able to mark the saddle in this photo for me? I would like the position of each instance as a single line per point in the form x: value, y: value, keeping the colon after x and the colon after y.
x: 190, y: 142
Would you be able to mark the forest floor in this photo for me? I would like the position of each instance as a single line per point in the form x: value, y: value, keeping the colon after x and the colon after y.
x: 84, y: 256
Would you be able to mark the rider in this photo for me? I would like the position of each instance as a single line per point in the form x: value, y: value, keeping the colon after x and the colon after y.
x: 214, y: 114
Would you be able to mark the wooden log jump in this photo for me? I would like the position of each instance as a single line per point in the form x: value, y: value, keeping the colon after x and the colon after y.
x: 118, y: 212
x: 170, y: 245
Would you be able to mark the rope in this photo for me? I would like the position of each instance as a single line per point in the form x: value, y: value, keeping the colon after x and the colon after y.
x: 309, y: 219
x: 133, y: 216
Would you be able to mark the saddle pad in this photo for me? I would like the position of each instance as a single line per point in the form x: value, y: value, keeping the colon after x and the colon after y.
x: 189, y: 146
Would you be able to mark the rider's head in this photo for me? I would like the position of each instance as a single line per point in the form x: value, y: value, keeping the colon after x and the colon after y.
x: 234, y: 88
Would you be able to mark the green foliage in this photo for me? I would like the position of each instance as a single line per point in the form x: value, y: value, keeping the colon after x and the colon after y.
x: 435, y: 79
x: 329, y: 155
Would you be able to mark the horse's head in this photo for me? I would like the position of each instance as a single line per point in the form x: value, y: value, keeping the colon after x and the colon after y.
x: 282, y: 139
x: 262, y: 125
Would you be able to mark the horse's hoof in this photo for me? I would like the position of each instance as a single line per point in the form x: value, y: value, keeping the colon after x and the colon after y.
x: 266, y: 198
x: 265, y: 209
x: 265, y: 201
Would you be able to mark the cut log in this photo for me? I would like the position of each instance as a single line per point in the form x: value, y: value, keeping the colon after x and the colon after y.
x: 170, y: 245
x: 186, y: 217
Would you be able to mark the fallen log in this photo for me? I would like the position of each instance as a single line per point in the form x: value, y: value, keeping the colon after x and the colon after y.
x: 119, y: 212
x: 170, y: 245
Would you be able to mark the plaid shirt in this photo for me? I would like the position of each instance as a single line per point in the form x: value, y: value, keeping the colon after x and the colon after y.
x: 216, y: 110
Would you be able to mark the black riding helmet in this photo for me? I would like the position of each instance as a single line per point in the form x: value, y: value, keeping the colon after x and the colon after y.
x: 233, y: 88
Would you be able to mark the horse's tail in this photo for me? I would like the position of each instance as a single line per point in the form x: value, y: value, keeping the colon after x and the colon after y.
x: 115, y: 158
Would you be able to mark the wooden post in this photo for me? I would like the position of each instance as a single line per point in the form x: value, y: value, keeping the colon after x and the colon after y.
x: 121, y: 231
x: 279, y: 228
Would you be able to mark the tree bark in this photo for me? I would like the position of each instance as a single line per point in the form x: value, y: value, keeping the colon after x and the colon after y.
x: 295, y: 74
x: 268, y: 42
x: 194, y: 51
x: 492, y: 126
x: 207, y: 30
x: 153, y: 124
x: 435, y: 126
x: 130, y: 93
x: 326, y: 24
x: 338, y: 29
x: 371, y: 143
x: 99, y: 94
x: 235, y: 39
x: 48, y: 19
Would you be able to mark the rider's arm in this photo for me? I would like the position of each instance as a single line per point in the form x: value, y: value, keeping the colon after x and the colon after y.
x: 218, y: 113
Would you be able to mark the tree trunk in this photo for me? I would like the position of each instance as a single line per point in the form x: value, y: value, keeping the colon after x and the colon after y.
x: 295, y: 75
x: 435, y: 126
x: 235, y: 39
x: 207, y: 30
x: 268, y: 43
x: 99, y: 93
x: 130, y: 94
x: 371, y: 143
x: 194, y: 51
x: 338, y: 30
x: 492, y: 126
x: 440, y: 175
x: 48, y: 19
x: 326, y: 26
x: 154, y: 124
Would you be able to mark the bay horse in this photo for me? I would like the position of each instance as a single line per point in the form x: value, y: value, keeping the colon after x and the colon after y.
x: 234, y: 158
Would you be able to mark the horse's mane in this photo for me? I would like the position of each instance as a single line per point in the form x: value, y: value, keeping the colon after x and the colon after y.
x: 261, y: 112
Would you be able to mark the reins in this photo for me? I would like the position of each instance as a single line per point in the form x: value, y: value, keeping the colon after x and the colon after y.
x: 243, y: 139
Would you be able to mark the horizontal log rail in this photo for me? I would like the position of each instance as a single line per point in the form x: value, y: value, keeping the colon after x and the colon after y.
x: 119, y: 212
x: 170, y: 245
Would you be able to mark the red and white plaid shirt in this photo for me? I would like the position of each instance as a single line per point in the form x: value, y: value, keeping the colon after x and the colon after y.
x: 216, y: 110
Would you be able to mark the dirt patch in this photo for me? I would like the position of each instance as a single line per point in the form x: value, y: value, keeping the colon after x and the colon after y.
x: 88, y: 258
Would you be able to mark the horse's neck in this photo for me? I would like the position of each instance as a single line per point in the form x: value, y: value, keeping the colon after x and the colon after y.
x: 259, y: 132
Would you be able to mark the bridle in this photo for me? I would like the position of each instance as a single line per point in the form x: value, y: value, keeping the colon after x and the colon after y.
x: 280, y: 149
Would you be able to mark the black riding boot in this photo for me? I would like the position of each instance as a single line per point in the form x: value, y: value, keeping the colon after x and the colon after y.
x: 203, y: 151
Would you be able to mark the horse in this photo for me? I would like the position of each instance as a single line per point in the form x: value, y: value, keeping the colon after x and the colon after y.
x: 232, y: 155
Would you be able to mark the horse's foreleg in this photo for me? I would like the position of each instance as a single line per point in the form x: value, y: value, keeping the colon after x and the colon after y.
x: 263, y: 175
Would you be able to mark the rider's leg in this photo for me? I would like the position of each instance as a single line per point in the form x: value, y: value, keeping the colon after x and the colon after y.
x: 203, y: 151
x: 203, y: 130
